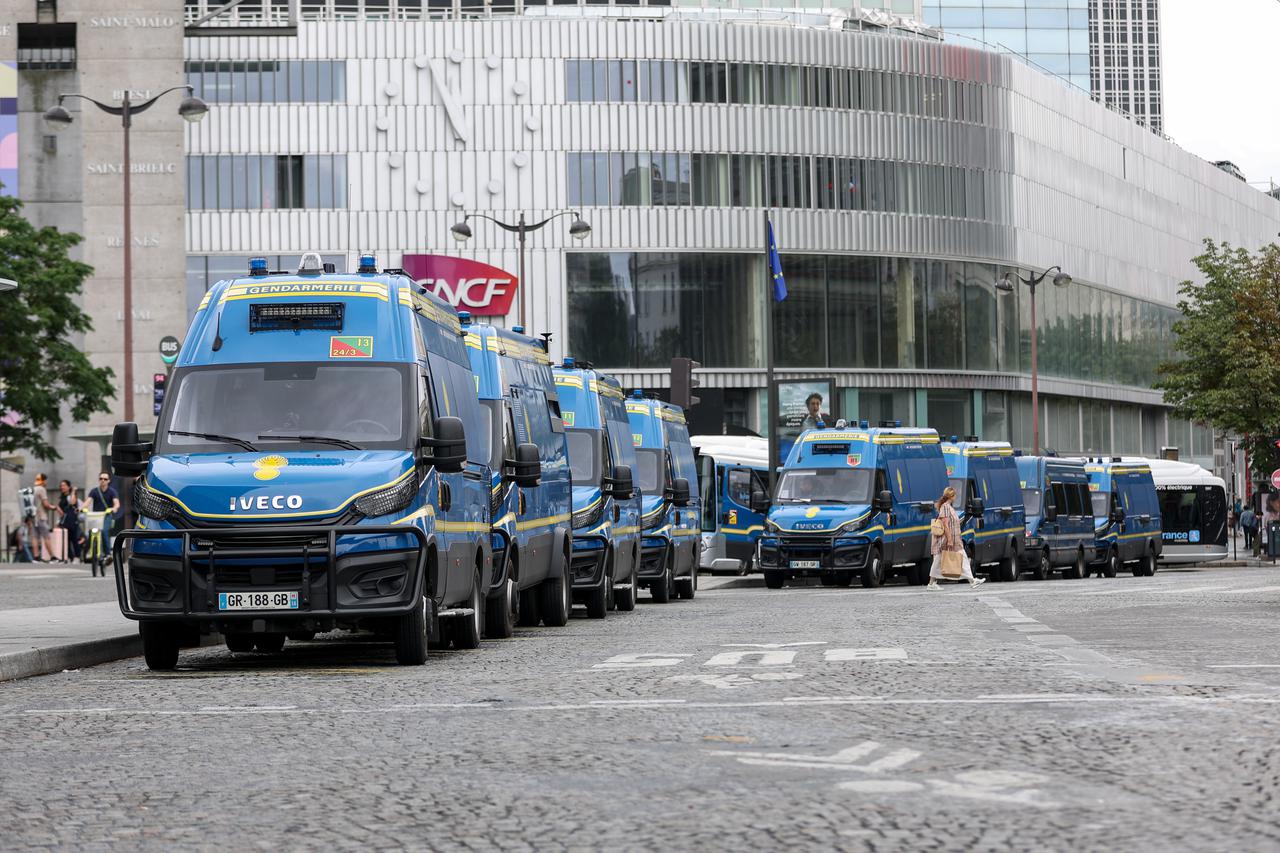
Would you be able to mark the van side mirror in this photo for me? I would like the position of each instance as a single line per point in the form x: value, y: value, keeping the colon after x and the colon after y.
x: 1117, y: 514
x: 1050, y: 513
x: 620, y: 485
x: 759, y: 502
x: 679, y: 492
x: 883, y: 502
x: 526, y: 469
x: 449, y: 446
x: 976, y: 507
x: 128, y: 455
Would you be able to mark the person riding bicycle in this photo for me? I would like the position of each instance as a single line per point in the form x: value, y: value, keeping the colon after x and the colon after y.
x: 104, y: 498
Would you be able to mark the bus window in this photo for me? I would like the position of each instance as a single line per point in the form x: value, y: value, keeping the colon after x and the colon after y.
x: 707, y: 487
x: 740, y: 486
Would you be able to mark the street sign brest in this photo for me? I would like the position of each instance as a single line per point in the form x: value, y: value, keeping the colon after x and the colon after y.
x: 484, y: 290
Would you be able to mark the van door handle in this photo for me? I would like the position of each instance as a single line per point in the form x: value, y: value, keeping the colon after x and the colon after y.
x: 1144, y: 518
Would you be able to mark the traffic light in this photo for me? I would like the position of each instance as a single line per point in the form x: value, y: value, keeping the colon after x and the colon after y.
x: 683, y: 382
x: 157, y: 385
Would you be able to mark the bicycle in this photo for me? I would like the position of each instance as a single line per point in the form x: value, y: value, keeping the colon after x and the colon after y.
x: 95, y: 541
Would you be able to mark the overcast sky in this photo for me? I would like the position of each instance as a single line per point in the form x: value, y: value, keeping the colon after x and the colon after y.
x: 1222, y: 81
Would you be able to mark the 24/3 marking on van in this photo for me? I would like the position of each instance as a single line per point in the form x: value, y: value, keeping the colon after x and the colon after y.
x: 351, y: 346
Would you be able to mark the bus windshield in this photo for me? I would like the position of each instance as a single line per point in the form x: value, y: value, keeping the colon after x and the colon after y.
x: 584, y: 456
x: 826, y: 485
x: 299, y: 405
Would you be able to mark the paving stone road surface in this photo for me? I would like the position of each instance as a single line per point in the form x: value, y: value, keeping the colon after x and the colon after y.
x: 1128, y: 714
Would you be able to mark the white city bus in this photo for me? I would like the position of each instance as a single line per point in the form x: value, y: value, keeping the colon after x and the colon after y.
x: 1193, y: 512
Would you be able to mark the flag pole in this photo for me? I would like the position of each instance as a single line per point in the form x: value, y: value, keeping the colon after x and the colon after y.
x: 772, y: 387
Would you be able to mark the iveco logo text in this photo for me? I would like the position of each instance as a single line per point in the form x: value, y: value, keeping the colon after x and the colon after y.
x: 811, y: 525
x: 267, y: 502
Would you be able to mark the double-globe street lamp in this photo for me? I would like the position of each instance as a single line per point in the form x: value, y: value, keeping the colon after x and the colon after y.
x: 192, y: 109
x: 1007, y: 284
x: 578, y: 230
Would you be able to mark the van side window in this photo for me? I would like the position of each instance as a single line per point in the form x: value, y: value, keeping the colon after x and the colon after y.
x: 740, y: 486
x: 1060, y: 497
x: 1086, y: 500
x: 424, y: 403
x: 1073, y: 499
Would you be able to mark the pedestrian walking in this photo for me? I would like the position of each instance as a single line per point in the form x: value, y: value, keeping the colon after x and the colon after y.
x: 43, y: 541
x: 1249, y: 524
x: 69, y: 509
x: 949, y: 558
x: 1270, y: 513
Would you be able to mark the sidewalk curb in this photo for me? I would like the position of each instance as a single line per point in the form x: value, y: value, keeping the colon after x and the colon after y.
x: 73, y: 656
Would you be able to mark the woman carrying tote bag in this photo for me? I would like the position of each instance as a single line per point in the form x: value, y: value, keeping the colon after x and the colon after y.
x: 949, y: 558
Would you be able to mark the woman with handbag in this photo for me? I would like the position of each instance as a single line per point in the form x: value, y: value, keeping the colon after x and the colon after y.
x: 949, y: 558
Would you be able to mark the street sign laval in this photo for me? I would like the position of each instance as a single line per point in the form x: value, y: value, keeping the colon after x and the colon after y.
x: 169, y: 346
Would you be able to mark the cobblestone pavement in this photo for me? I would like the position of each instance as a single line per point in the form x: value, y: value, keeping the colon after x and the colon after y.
x: 1127, y: 714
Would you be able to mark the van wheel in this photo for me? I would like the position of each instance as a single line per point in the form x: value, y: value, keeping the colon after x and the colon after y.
x: 239, y: 642
x: 1007, y: 570
x: 500, y: 612
x: 1146, y: 567
x: 269, y: 643
x: 1079, y: 569
x: 873, y: 574
x: 530, y: 613
x: 661, y: 588
x: 411, y: 636
x: 687, y: 588
x: 773, y: 580
x: 557, y: 597
x: 625, y: 599
x: 1112, y: 566
x: 160, y: 644
x: 598, y: 598
x: 918, y: 573
x: 1043, y: 567
x: 467, y: 629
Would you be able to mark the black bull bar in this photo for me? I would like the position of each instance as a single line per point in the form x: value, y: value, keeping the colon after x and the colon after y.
x: 220, y: 546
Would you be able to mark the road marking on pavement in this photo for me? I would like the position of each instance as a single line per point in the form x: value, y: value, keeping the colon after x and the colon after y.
x: 641, y: 659
x: 1244, y: 666
x: 1186, y: 590
x: 753, y: 655
x: 733, y: 680
x: 1252, y: 589
x: 837, y: 655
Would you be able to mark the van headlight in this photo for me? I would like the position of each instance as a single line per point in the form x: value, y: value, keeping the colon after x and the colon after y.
x: 151, y: 505
x: 388, y: 500
x: 588, y: 517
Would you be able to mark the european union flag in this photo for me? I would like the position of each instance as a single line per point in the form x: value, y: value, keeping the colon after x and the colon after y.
x: 775, y: 266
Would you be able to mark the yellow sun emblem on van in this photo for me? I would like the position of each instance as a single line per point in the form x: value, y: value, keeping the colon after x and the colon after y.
x: 812, y: 513
x: 268, y: 467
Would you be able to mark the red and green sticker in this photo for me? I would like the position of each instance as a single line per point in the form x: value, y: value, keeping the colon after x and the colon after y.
x: 350, y: 346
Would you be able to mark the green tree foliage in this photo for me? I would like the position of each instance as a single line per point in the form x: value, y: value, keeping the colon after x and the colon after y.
x: 41, y: 371
x: 1228, y: 373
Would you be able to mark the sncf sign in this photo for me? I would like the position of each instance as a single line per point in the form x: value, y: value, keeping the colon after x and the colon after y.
x: 467, y: 285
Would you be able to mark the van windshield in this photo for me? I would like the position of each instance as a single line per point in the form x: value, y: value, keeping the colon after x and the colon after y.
x: 826, y: 485
x: 1031, y: 500
x: 1101, y: 504
x: 344, y: 404
x: 652, y: 475
x: 584, y: 456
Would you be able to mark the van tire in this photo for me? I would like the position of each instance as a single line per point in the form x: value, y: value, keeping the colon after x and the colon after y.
x: 411, y: 636
x: 918, y: 573
x: 687, y: 587
x: 873, y: 574
x: 1007, y: 570
x: 500, y: 612
x: 557, y: 598
x: 1079, y: 569
x: 467, y: 630
x: 269, y: 643
x: 661, y: 588
x: 598, y: 598
x: 1111, y: 566
x: 160, y: 644
x: 625, y: 599
x: 773, y: 580
x: 238, y: 642
x: 1044, y: 567
x: 1146, y: 567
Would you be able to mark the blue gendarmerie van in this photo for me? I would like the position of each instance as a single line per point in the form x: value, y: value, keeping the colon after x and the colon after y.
x: 531, y: 578
x: 321, y: 461
x: 667, y: 476
x: 853, y: 502
x: 1060, y: 530
x: 606, y: 504
x: 988, y: 494
x: 1126, y: 515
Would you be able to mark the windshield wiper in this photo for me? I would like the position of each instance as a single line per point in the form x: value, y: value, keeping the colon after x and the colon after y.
x: 213, y: 436
x: 318, y: 439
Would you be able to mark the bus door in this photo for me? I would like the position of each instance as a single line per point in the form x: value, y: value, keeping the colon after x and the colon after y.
x: 740, y: 525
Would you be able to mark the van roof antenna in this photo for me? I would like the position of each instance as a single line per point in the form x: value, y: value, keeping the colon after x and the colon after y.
x: 217, y: 332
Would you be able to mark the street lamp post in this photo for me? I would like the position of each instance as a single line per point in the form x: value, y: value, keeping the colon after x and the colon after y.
x: 192, y: 109
x: 1007, y: 285
x: 578, y: 229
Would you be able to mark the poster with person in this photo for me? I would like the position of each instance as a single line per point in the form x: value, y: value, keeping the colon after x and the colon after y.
x: 802, y: 404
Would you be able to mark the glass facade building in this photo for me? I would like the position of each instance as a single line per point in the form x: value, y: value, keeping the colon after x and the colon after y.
x: 904, y: 176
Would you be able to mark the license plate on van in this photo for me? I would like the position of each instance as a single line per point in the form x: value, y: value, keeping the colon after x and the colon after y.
x: 804, y: 564
x: 257, y: 601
